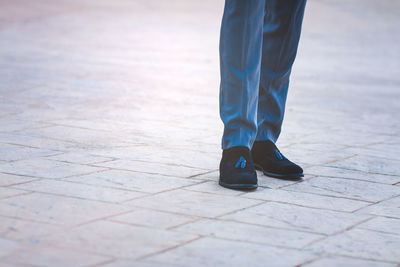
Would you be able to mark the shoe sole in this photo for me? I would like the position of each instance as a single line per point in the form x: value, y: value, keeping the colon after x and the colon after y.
x: 239, y: 186
x: 294, y: 176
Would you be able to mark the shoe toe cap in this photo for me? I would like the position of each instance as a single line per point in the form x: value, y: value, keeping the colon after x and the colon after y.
x: 292, y: 169
x: 244, y: 178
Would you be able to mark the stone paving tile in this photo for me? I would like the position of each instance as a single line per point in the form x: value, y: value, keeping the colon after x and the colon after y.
x: 187, y: 154
x: 9, y: 179
x: 6, y: 192
x: 307, y: 199
x: 348, y: 262
x: 382, y: 224
x: 355, y: 189
x: 249, y: 233
x: 128, y: 180
x: 195, y: 159
x: 370, y: 164
x: 322, y: 147
x: 385, y: 150
x: 347, y: 139
x: 57, y: 210
x: 79, y: 158
x: 51, y: 256
x: 361, y: 243
x: 216, y: 252
x: 351, y: 174
x: 36, y: 142
x: 71, y: 189
x: 90, y: 138
x: 389, y: 208
x: 288, y: 137
x: 208, y: 149
x: 152, y: 168
x: 130, y: 263
x: 193, y: 203
x: 7, y: 246
x: 8, y: 125
x: 213, y: 140
x: 126, y: 152
x: 95, y: 124
x: 287, y: 216
x: 32, y: 13
x: 213, y: 187
x: 208, y: 176
x: 273, y: 183
x: 118, y: 240
x: 4, y: 264
x: 46, y: 168
x: 16, y: 229
x: 15, y: 152
x: 152, y: 218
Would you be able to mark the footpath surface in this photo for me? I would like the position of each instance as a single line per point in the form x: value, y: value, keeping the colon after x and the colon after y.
x: 110, y: 139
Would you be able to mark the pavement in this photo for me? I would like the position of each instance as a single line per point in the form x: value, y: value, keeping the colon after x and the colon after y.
x: 110, y: 139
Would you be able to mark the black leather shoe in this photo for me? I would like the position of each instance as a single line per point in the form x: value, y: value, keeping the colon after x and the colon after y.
x: 268, y: 159
x: 236, y: 170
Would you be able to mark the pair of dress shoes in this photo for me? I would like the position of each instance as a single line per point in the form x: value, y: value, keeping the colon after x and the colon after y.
x: 239, y: 164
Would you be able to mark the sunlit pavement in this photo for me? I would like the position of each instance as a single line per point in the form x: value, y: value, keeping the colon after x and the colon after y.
x: 110, y: 139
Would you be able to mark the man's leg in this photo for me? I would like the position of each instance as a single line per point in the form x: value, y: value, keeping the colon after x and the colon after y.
x: 282, y: 27
x: 240, y: 59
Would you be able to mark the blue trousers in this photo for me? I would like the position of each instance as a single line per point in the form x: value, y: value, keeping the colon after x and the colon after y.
x: 258, y: 45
